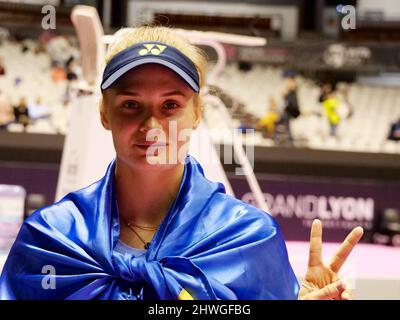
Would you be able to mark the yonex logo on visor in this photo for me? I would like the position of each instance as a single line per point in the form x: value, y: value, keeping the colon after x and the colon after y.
x: 155, y: 49
x: 150, y: 52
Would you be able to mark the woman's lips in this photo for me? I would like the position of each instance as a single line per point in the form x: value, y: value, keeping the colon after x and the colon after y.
x: 146, y: 145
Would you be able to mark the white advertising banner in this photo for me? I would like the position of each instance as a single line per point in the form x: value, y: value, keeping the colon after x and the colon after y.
x: 12, y: 206
x: 88, y: 147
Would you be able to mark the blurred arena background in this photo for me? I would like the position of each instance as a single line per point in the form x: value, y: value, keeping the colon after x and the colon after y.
x: 322, y: 94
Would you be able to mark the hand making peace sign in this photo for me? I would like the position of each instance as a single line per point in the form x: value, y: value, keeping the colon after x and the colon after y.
x: 322, y: 282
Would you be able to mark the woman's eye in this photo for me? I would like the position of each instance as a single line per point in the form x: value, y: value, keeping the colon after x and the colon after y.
x: 170, y: 105
x: 130, y: 105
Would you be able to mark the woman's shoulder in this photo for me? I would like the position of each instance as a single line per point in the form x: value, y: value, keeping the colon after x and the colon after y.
x: 72, y: 208
x: 54, y: 214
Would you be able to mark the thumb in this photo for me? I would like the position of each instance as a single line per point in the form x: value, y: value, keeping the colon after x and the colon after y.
x: 331, y: 291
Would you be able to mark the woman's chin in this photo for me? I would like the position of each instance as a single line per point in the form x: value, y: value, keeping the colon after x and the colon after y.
x: 153, y: 162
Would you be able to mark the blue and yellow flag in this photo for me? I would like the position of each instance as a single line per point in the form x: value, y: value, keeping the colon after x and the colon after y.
x: 209, y: 246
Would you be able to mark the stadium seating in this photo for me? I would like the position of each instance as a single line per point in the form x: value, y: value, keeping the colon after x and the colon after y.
x: 33, y: 72
x: 374, y: 108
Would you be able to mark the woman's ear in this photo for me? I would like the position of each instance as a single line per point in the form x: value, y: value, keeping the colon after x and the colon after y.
x: 103, y: 114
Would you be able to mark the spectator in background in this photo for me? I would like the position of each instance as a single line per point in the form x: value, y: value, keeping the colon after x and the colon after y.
x: 247, y: 123
x: 39, y: 49
x: 346, y: 107
x: 21, y: 113
x: 58, y: 72
x: 268, y: 122
x: 71, y: 76
x: 38, y: 110
x: 6, y: 111
x: 2, y: 68
x: 330, y: 104
x: 291, y: 106
x: 70, y: 69
x: 326, y: 89
x: 24, y: 48
x: 44, y: 38
x: 245, y: 66
x: 394, y: 132
x: 60, y: 49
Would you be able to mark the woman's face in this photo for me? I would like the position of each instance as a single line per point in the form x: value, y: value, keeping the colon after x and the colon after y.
x: 150, y: 112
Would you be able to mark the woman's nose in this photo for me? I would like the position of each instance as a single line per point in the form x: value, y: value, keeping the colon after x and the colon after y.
x: 149, y: 123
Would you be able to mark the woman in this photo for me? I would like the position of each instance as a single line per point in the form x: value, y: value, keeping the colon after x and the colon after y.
x: 268, y: 122
x: 21, y: 113
x: 154, y: 227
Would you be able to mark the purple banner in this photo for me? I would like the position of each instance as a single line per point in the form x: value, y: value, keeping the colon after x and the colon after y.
x: 340, y: 204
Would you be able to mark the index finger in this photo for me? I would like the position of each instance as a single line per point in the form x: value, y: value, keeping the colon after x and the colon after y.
x: 315, y: 254
x: 345, y: 248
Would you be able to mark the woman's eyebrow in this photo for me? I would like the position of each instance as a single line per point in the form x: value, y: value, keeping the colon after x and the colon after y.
x: 127, y: 92
x: 174, y: 93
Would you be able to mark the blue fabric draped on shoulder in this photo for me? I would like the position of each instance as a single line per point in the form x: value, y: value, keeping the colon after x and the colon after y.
x: 209, y: 246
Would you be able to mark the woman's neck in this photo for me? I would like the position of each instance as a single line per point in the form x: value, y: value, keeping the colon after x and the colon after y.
x: 145, y: 196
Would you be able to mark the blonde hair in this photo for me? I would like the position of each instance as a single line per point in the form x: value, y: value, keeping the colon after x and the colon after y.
x: 127, y: 37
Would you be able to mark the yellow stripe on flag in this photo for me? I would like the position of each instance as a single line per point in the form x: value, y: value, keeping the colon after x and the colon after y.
x: 184, y: 295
